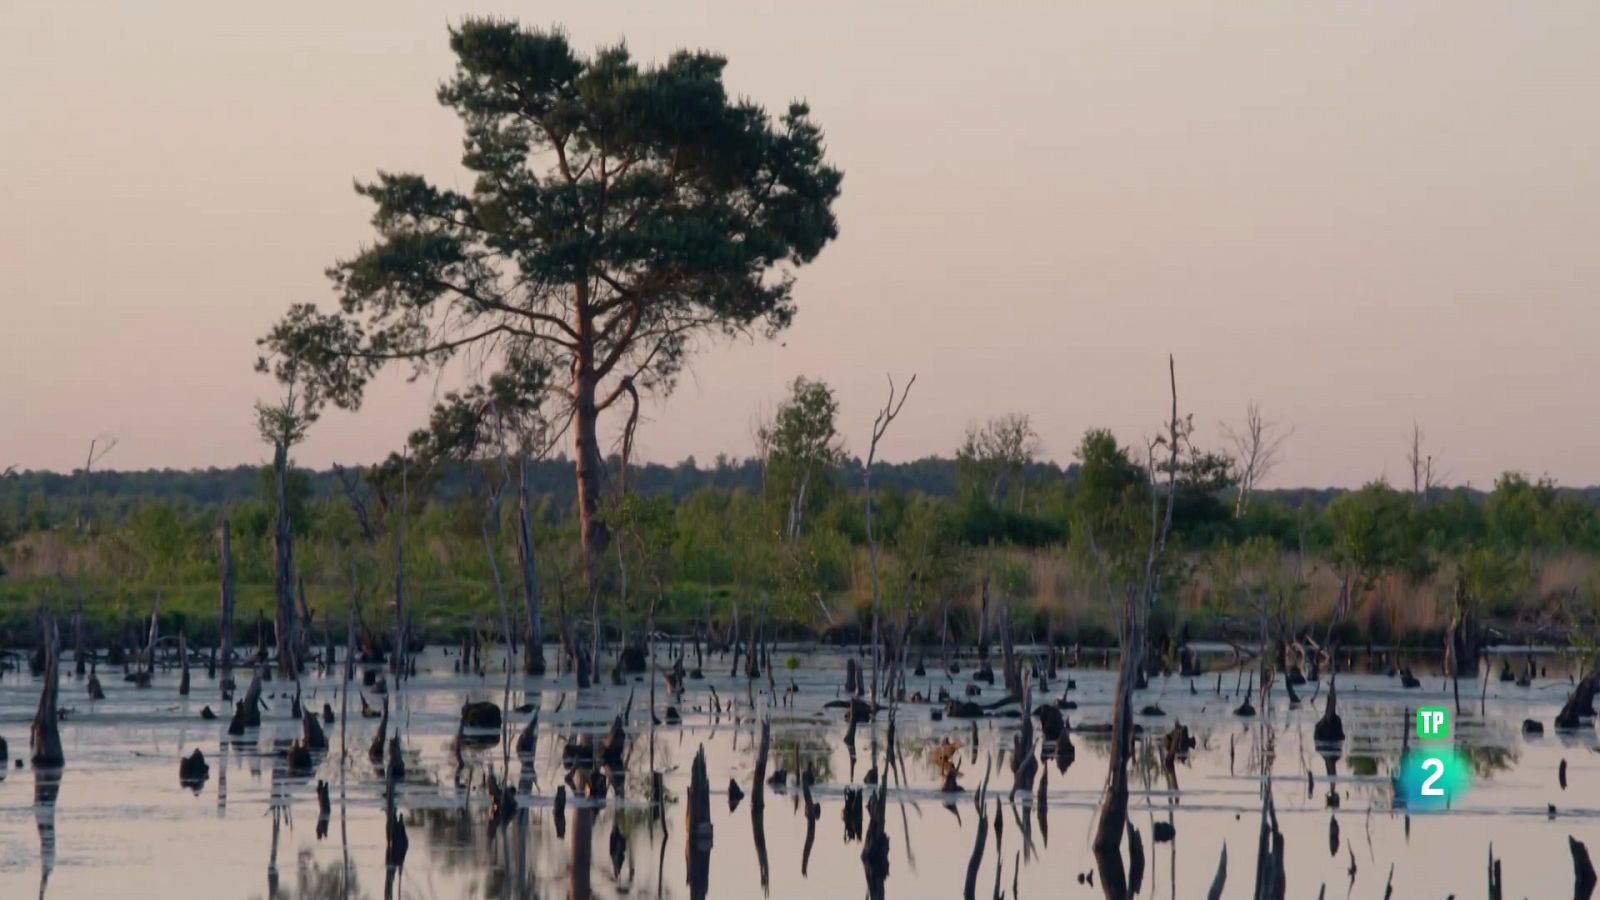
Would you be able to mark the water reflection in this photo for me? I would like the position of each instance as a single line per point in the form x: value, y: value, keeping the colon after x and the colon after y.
x: 578, y: 873
x: 321, y: 881
x: 46, y: 791
x: 487, y: 825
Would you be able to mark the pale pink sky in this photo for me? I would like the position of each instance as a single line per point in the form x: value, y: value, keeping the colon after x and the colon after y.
x: 1358, y: 213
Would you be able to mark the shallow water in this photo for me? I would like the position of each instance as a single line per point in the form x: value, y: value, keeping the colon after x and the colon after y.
x: 121, y: 825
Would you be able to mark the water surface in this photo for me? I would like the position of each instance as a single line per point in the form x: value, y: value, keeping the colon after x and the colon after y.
x: 121, y: 824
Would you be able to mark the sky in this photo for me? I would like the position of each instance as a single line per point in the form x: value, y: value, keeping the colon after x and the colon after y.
x: 1361, y: 215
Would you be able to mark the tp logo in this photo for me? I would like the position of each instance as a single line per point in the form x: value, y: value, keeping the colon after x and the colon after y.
x: 1431, y: 778
x: 1433, y: 723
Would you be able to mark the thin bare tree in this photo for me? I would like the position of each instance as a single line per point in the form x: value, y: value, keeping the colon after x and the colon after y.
x: 283, y: 425
x: 1256, y: 448
x: 402, y: 641
x: 880, y: 426
x: 355, y: 496
x: 98, y: 449
x: 1138, y: 600
x: 1423, y: 477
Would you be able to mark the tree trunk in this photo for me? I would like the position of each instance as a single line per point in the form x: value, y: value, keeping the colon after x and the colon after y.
x: 397, y: 659
x: 1464, y: 645
x: 283, y: 572
x: 46, y: 735
x: 944, y: 636
x: 183, y: 663
x: 758, y: 784
x: 983, y: 625
x: 585, y: 423
x: 1113, y: 817
x: 79, y: 658
x: 227, y: 610
x: 697, y: 841
x: 499, y: 593
x: 1580, y: 703
x: 594, y: 624
x: 872, y: 561
x: 304, y: 623
x: 150, y: 644
x: 533, y: 656
x: 574, y: 653
x: 1013, y: 668
x: 733, y: 641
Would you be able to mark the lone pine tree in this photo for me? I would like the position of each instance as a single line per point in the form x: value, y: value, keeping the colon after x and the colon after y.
x: 619, y: 211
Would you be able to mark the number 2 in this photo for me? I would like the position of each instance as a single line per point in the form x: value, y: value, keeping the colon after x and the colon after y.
x: 1437, y: 767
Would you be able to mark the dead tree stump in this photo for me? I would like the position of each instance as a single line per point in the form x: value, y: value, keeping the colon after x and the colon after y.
x: 698, y: 840
x: 46, y: 734
x: 1580, y: 704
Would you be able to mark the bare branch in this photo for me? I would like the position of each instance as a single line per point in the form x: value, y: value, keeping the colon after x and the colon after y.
x: 358, y: 503
x: 1423, y: 477
x: 880, y: 426
x: 478, y: 298
x: 99, y: 448
x: 1256, y: 447
x: 891, y: 409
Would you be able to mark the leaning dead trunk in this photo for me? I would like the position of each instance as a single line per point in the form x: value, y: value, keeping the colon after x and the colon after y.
x: 79, y: 657
x: 283, y: 568
x: 976, y: 860
x: 1583, y: 876
x: 1465, y: 639
x: 397, y: 659
x: 1024, y: 766
x: 576, y: 657
x: 311, y: 733
x: 1580, y: 704
x: 183, y: 662
x: 380, y: 740
x: 594, y: 624
x: 149, y: 658
x: 533, y: 655
x: 396, y: 842
x: 1221, y: 878
x: 1113, y: 819
x: 758, y: 785
x: 227, y: 610
x: 1270, y: 874
x: 983, y: 628
x: 499, y: 589
x: 303, y: 625
x: 46, y: 735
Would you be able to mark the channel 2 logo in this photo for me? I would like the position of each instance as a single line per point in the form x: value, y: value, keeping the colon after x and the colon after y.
x: 1433, y: 776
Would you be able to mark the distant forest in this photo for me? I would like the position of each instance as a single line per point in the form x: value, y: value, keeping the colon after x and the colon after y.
x: 37, y: 500
x: 786, y: 534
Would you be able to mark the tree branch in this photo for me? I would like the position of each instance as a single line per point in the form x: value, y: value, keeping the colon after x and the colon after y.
x: 501, y: 306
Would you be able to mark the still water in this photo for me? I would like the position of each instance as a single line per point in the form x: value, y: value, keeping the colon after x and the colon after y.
x: 121, y: 825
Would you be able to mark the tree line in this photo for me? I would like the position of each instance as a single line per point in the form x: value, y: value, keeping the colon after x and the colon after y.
x: 787, y: 524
